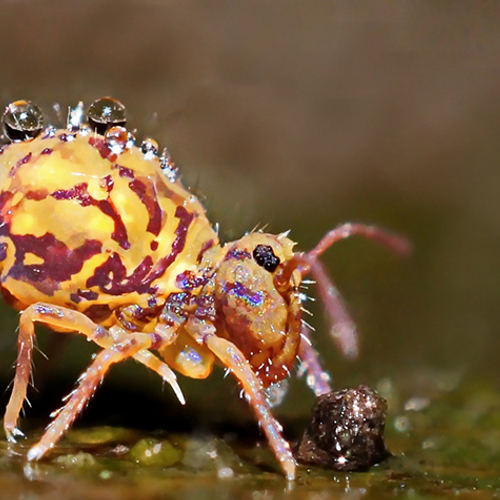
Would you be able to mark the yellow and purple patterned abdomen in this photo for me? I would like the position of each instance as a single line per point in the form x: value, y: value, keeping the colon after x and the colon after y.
x: 87, y: 228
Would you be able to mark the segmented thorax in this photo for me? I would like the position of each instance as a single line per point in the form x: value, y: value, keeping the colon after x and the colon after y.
x: 92, y: 222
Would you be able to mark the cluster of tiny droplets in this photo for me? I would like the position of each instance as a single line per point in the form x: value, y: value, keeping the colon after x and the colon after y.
x: 49, y: 132
x: 119, y: 143
x: 168, y: 167
x: 117, y: 138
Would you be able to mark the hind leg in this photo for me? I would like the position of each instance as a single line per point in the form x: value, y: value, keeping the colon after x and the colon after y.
x: 55, y: 316
x: 88, y: 383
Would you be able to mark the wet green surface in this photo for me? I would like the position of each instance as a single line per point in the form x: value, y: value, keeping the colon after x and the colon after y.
x: 445, y: 441
x: 300, y: 117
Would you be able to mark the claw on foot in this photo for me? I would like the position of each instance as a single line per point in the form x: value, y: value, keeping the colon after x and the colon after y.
x: 35, y: 453
x: 13, y: 434
x: 289, y: 469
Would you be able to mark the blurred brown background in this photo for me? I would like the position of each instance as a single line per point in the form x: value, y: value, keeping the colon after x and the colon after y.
x: 300, y: 115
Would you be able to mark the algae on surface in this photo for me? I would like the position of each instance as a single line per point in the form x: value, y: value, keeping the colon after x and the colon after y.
x: 444, y: 442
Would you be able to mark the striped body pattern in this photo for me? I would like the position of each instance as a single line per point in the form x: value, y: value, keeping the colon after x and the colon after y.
x: 98, y: 236
x: 85, y: 231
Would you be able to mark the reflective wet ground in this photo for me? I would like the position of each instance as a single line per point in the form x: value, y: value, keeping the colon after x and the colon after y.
x: 446, y: 441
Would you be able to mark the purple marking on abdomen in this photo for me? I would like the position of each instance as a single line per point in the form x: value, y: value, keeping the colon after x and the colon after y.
x: 103, y: 149
x: 120, y: 232
x: 147, y: 196
x: 3, y: 251
x: 206, y: 246
x: 80, y: 193
x: 37, y: 195
x: 59, y: 261
x: 85, y: 294
x: 111, y: 277
x: 108, y: 183
x: 5, y: 212
x: 178, y: 244
x: 19, y: 163
x: 124, y: 171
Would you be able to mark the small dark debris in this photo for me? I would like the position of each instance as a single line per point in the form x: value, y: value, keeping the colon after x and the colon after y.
x: 346, y: 431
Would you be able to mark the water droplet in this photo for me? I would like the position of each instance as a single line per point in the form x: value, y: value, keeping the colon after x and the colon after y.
x: 106, y: 113
x: 275, y: 393
x: 22, y: 121
x: 49, y: 132
x: 168, y: 166
x: 85, y: 130
x: 119, y: 139
x: 150, y: 148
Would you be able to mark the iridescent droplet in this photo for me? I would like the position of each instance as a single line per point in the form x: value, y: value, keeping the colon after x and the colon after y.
x: 150, y: 148
x: 168, y: 166
x: 119, y: 139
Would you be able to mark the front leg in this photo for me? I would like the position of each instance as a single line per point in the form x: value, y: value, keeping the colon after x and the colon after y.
x: 233, y: 358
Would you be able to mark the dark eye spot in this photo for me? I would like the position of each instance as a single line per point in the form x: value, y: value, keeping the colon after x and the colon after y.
x: 22, y: 121
x: 105, y: 113
x: 264, y: 256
